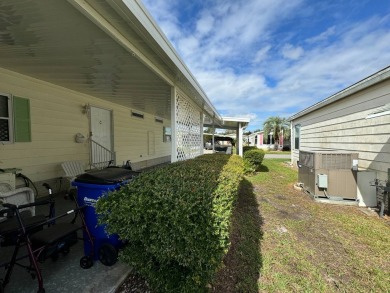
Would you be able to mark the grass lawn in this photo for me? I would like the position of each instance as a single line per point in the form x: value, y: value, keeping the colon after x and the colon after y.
x: 279, y: 152
x: 283, y: 241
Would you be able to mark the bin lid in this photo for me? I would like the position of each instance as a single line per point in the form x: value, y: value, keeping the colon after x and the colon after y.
x: 108, y: 176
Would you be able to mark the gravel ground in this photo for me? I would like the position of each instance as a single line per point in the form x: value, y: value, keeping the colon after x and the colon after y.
x: 134, y: 284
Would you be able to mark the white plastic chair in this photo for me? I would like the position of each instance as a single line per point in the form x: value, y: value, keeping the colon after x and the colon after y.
x: 19, y: 196
x: 72, y: 169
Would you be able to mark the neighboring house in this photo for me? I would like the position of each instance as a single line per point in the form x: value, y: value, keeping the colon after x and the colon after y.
x: 262, y: 141
x: 354, y: 120
x: 94, y: 81
x: 257, y: 139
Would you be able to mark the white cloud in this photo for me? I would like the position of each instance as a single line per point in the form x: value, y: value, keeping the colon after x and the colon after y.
x: 234, y: 50
x: 323, y: 36
x: 262, y: 54
x: 290, y: 52
x: 205, y: 24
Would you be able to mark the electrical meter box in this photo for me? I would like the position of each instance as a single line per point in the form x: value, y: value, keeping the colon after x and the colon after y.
x: 322, y: 181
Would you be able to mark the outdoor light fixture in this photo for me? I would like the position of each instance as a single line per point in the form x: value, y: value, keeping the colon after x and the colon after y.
x: 86, y: 109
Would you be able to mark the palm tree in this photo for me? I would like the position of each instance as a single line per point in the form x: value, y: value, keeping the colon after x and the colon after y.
x: 276, y: 125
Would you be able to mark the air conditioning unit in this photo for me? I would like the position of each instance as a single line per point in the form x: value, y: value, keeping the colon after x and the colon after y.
x: 329, y: 174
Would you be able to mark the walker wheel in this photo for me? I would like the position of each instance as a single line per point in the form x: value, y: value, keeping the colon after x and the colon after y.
x: 86, y: 262
x: 65, y: 251
x: 108, y: 254
x: 54, y: 256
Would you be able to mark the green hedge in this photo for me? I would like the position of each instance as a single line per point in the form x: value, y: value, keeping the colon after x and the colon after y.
x: 176, y: 220
x: 248, y: 148
x: 253, y: 159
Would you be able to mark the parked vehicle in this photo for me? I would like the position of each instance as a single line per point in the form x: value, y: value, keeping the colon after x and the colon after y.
x: 221, y: 144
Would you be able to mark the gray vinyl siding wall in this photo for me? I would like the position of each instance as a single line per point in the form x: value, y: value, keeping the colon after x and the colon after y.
x: 343, y: 126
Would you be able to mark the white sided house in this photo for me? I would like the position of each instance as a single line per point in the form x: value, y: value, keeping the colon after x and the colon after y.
x: 266, y: 142
x: 353, y: 121
x: 94, y: 81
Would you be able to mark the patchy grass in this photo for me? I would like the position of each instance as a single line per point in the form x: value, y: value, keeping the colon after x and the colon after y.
x: 283, y: 241
x: 278, y: 152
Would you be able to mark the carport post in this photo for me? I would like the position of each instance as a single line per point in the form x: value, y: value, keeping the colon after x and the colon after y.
x: 173, y: 125
x: 201, y: 132
x: 213, y: 140
x: 240, y: 150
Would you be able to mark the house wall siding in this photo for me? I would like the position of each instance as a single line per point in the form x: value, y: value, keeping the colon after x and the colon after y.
x: 343, y: 126
x: 56, y: 116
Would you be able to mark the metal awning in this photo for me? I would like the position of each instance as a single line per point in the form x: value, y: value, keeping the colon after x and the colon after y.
x: 232, y: 123
x: 106, y: 49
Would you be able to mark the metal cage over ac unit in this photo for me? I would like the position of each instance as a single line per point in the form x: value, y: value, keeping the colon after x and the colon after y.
x: 329, y: 173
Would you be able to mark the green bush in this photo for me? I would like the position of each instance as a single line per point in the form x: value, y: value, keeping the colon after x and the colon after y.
x: 176, y: 220
x: 248, y: 148
x: 253, y: 159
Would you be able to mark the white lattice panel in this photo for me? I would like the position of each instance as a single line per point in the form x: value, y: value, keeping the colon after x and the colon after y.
x: 188, y: 129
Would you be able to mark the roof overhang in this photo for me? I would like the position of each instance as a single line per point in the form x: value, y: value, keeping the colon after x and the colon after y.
x: 361, y: 85
x: 107, y: 49
x: 232, y: 123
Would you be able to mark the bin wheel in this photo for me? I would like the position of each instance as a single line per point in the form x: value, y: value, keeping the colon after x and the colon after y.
x: 54, y: 256
x: 108, y: 254
x: 65, y: 251
x: 86, y: 262
x: 73, y: 194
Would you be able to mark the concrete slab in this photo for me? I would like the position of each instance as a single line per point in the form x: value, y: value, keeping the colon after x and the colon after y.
x: 65, y: 274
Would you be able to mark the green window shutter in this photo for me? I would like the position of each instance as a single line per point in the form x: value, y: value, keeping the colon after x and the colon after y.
x: 22, y: 121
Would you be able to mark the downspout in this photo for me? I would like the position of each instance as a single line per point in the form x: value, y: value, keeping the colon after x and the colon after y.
x: 291, y: 143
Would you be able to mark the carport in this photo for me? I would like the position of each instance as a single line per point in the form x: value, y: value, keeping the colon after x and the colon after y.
x: 232, y: 123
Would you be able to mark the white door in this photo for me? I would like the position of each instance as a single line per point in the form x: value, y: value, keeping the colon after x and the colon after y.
x: 101, y: 134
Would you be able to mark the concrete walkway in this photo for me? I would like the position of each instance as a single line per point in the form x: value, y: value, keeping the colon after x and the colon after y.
x: 277, y: 156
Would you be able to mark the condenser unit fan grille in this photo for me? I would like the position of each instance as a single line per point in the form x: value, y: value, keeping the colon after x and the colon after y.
x: 336, y: 161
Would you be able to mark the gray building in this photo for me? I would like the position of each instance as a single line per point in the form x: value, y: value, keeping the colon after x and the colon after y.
x: 354, y: 120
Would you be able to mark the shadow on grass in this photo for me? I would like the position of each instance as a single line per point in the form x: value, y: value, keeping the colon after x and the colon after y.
x: 263, y: 169
x: 243, y: 261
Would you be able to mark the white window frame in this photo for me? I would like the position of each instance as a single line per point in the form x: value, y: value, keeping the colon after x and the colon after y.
x: 297, y: 129
x: 10, y: 120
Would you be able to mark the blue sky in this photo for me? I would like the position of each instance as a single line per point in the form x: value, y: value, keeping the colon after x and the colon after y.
x: 262, y: 58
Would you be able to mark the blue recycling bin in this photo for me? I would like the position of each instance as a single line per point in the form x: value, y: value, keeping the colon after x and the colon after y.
x: 90, y: 187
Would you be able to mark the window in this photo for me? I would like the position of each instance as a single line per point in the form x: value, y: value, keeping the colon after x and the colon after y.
x: 297, y: 133
x: 15, y: 124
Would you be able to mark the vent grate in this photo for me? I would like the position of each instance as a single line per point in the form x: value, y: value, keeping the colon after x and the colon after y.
x: 306, y: 159
x: 336, y: 161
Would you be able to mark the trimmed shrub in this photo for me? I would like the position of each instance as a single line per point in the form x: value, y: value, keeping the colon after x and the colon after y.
x: 253, y: 159
x: 248, y: 148
x: 176, y: 220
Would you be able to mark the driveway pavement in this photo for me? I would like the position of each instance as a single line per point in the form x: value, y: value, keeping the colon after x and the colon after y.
x: 277, y: 156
